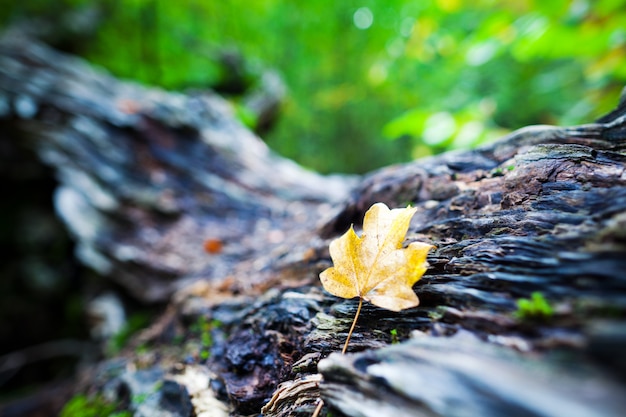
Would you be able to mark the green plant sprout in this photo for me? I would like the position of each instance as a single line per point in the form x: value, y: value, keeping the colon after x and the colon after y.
x: 535, y: 307
x: 394, y: 336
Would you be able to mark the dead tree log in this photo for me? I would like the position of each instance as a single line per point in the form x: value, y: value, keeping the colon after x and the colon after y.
x: 165, y: 192
x: 147, y: 177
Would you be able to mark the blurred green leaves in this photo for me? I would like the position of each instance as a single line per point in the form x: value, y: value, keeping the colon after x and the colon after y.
x: 429, y: 75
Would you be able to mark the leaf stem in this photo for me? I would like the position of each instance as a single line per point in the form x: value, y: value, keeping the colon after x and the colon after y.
x: 356, y: 316
x: 318, y: 408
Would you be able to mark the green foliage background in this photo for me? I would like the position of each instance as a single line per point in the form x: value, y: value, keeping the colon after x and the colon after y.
x: 373, y: 82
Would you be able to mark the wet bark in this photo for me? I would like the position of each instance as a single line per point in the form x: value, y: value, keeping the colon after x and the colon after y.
x: 170, y: 197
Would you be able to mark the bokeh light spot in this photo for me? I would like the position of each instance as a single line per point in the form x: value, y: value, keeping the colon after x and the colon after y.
x: 363, y: 18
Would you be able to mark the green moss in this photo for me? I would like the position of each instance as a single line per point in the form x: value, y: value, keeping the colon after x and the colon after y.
x: 437, y: 314
x: 83, y: 406
x: 140, y: 398
x: 535, y: 307
x: 202, y: 329
x: 135, y: 322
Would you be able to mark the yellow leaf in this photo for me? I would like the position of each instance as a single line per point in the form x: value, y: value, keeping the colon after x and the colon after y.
x: 375, y: 267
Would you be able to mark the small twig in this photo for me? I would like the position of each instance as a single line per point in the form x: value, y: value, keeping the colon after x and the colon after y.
x: 356, y: 316
x: 318, y: 408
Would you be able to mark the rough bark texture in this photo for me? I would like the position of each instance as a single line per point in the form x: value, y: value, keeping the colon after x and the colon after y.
x: 147, y: 177
x: 170, y: 197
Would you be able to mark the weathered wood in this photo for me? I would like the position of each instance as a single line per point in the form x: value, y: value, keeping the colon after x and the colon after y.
x: 462, y: 376
x: 543, y: 209
x: 146, y: 176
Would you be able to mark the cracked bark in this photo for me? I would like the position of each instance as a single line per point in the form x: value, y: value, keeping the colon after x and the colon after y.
x: 147, y: 177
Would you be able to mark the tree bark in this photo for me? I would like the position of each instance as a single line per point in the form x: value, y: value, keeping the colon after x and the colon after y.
x: 148, y: 177
x: 170, y: 197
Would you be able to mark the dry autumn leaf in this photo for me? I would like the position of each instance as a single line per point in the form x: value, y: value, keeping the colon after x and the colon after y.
x: 375, y: 267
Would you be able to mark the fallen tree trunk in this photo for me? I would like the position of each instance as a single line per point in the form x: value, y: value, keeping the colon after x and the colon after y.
x: 147, y: 177
x: 170, y: 197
